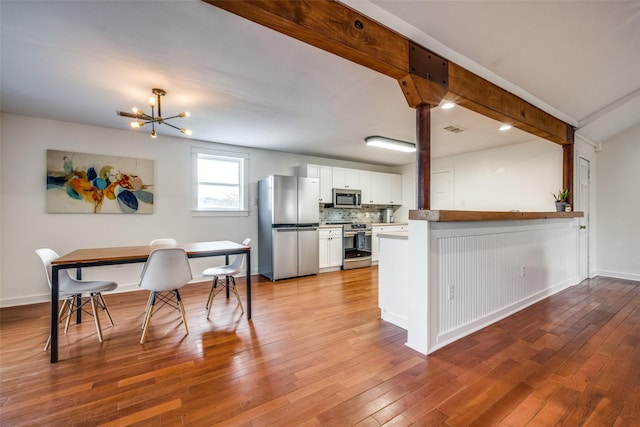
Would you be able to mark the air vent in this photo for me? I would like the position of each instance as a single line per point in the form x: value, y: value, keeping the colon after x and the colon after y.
x: 454, y: 128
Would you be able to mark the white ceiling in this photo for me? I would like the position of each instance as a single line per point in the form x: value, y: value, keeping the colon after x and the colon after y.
x: 244, y: 84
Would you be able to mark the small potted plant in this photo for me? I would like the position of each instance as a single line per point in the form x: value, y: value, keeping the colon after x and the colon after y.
x: 561, y: 200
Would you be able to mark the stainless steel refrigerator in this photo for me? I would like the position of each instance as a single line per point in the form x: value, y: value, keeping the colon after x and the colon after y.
x: 288, y: 219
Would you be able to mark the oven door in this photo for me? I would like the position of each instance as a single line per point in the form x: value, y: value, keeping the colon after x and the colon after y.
x: 357, y: 249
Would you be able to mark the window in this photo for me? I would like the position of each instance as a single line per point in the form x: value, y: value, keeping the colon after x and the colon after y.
x: 220, y: 179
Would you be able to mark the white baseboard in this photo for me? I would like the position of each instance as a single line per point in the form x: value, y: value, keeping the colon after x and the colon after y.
x: 394, y: 318
x: 617, y: 275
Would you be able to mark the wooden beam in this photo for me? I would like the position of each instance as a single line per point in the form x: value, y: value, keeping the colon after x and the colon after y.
x: 567, y: 166
x: 423, y: 156
x: 336, y: 28
x: 330, y: 26
x: 480, y: 95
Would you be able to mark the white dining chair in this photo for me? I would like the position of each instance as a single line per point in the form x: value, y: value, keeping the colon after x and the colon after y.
x: 89, y: 291
x: 165, y: 241
x: 164, y: 273
x: 228, y: 271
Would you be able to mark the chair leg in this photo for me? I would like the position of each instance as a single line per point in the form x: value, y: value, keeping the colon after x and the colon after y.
x: 235, y: 291
x: 62, y: 307
x: 214, y: 284
x: 147, y: 318
x: 102, y: 304
x: 146, y: 310
x: 95, y: 316
x: 212, y: 294
x: 182, y: 312
x: 71, y: 303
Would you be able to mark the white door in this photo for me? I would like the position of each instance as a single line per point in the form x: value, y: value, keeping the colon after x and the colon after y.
x: 442, y: 189
x: 582, y: 205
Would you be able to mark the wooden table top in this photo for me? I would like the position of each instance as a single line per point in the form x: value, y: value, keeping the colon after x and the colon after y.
x: 142, y: 252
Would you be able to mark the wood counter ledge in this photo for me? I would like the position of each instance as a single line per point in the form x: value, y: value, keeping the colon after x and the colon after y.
x: 451, y: 216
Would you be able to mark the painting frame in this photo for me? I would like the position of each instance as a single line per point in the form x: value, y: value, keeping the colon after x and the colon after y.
x: 100, y: 184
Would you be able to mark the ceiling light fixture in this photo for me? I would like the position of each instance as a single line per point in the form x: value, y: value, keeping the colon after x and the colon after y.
x: 143, y: 118
x: 505, y: 127
x: 447, y: 105
x: 390, y: 144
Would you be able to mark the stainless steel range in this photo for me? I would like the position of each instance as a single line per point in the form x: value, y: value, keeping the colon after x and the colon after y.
x: 357, y: 245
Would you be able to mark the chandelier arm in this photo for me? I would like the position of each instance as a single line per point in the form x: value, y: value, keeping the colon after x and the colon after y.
x: 144, y: 116
x: 169, y: 124
x: 172, y: 117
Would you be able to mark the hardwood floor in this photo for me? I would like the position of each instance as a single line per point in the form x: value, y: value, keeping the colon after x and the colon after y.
x: 317, y: 354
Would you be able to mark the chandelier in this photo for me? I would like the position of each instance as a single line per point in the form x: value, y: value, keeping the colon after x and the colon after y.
x: 142, y: 118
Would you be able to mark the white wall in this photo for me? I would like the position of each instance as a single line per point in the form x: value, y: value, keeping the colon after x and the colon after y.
x: 25, y: 225
x: 518, y: 177
x: 618, y: 206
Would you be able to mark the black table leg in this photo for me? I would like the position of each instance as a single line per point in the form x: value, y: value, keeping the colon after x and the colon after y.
x: 248, y: 281
x: 226, y: 262
x: 54, y: 313
x: 78, y: 297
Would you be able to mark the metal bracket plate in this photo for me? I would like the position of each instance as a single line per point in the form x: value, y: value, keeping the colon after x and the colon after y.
x: 428, y: 65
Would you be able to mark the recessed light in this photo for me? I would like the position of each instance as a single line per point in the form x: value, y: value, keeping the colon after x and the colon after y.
x: 505, y: 127
x: 447, y: 105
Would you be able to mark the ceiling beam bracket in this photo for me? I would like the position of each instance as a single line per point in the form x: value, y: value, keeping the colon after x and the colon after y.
x: 428, y: 65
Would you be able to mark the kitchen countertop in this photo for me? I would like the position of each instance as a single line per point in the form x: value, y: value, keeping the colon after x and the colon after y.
x: 450, y: 216
x: 373, y: 224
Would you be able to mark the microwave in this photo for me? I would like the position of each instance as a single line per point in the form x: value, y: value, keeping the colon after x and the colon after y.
x: 347, y: 198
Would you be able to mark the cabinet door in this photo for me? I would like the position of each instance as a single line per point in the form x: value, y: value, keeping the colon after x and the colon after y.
x: 323, y: 250
x: 330, y: 247
x: 335, y: 250
x: 395, y: 189
x: 326, y: 184
x: 346, y: 178
x: 325, y: 176
x: 380, y: 188
x: 365, y: 186
x: 386, y: 188
x: 312, y: 171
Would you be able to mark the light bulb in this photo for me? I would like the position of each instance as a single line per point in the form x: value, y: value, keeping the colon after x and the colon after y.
x: 135, y: 110
x: 184, y: 114
x: 135, y: 125
x: 152, y: 101
x: 448, y: 105
x: 186, y: 131
x: 505, y: 127
x: 153, y: 134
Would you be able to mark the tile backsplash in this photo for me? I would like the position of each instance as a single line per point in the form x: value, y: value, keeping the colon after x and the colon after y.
x: 366, y: 214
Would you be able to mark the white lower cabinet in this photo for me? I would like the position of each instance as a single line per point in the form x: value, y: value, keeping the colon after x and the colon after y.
x: 330, y: 247
x: 375, y: 242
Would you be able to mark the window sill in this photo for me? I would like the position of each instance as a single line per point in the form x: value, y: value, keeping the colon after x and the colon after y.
x: 197, y: 213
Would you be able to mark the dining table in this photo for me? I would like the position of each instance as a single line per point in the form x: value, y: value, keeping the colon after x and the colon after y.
x: 95, y: 257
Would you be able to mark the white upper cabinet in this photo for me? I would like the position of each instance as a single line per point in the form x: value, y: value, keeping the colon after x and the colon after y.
x: 377, y: 188
x: 325, y: 175
x: 346, y: 178
x: 365, y: 187
x: 386, y: 188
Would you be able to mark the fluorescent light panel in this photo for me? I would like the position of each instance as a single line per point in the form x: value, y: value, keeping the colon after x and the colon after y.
x: 390, y: 144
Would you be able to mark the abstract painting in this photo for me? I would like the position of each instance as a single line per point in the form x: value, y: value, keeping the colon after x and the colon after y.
x: 92, y: 183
